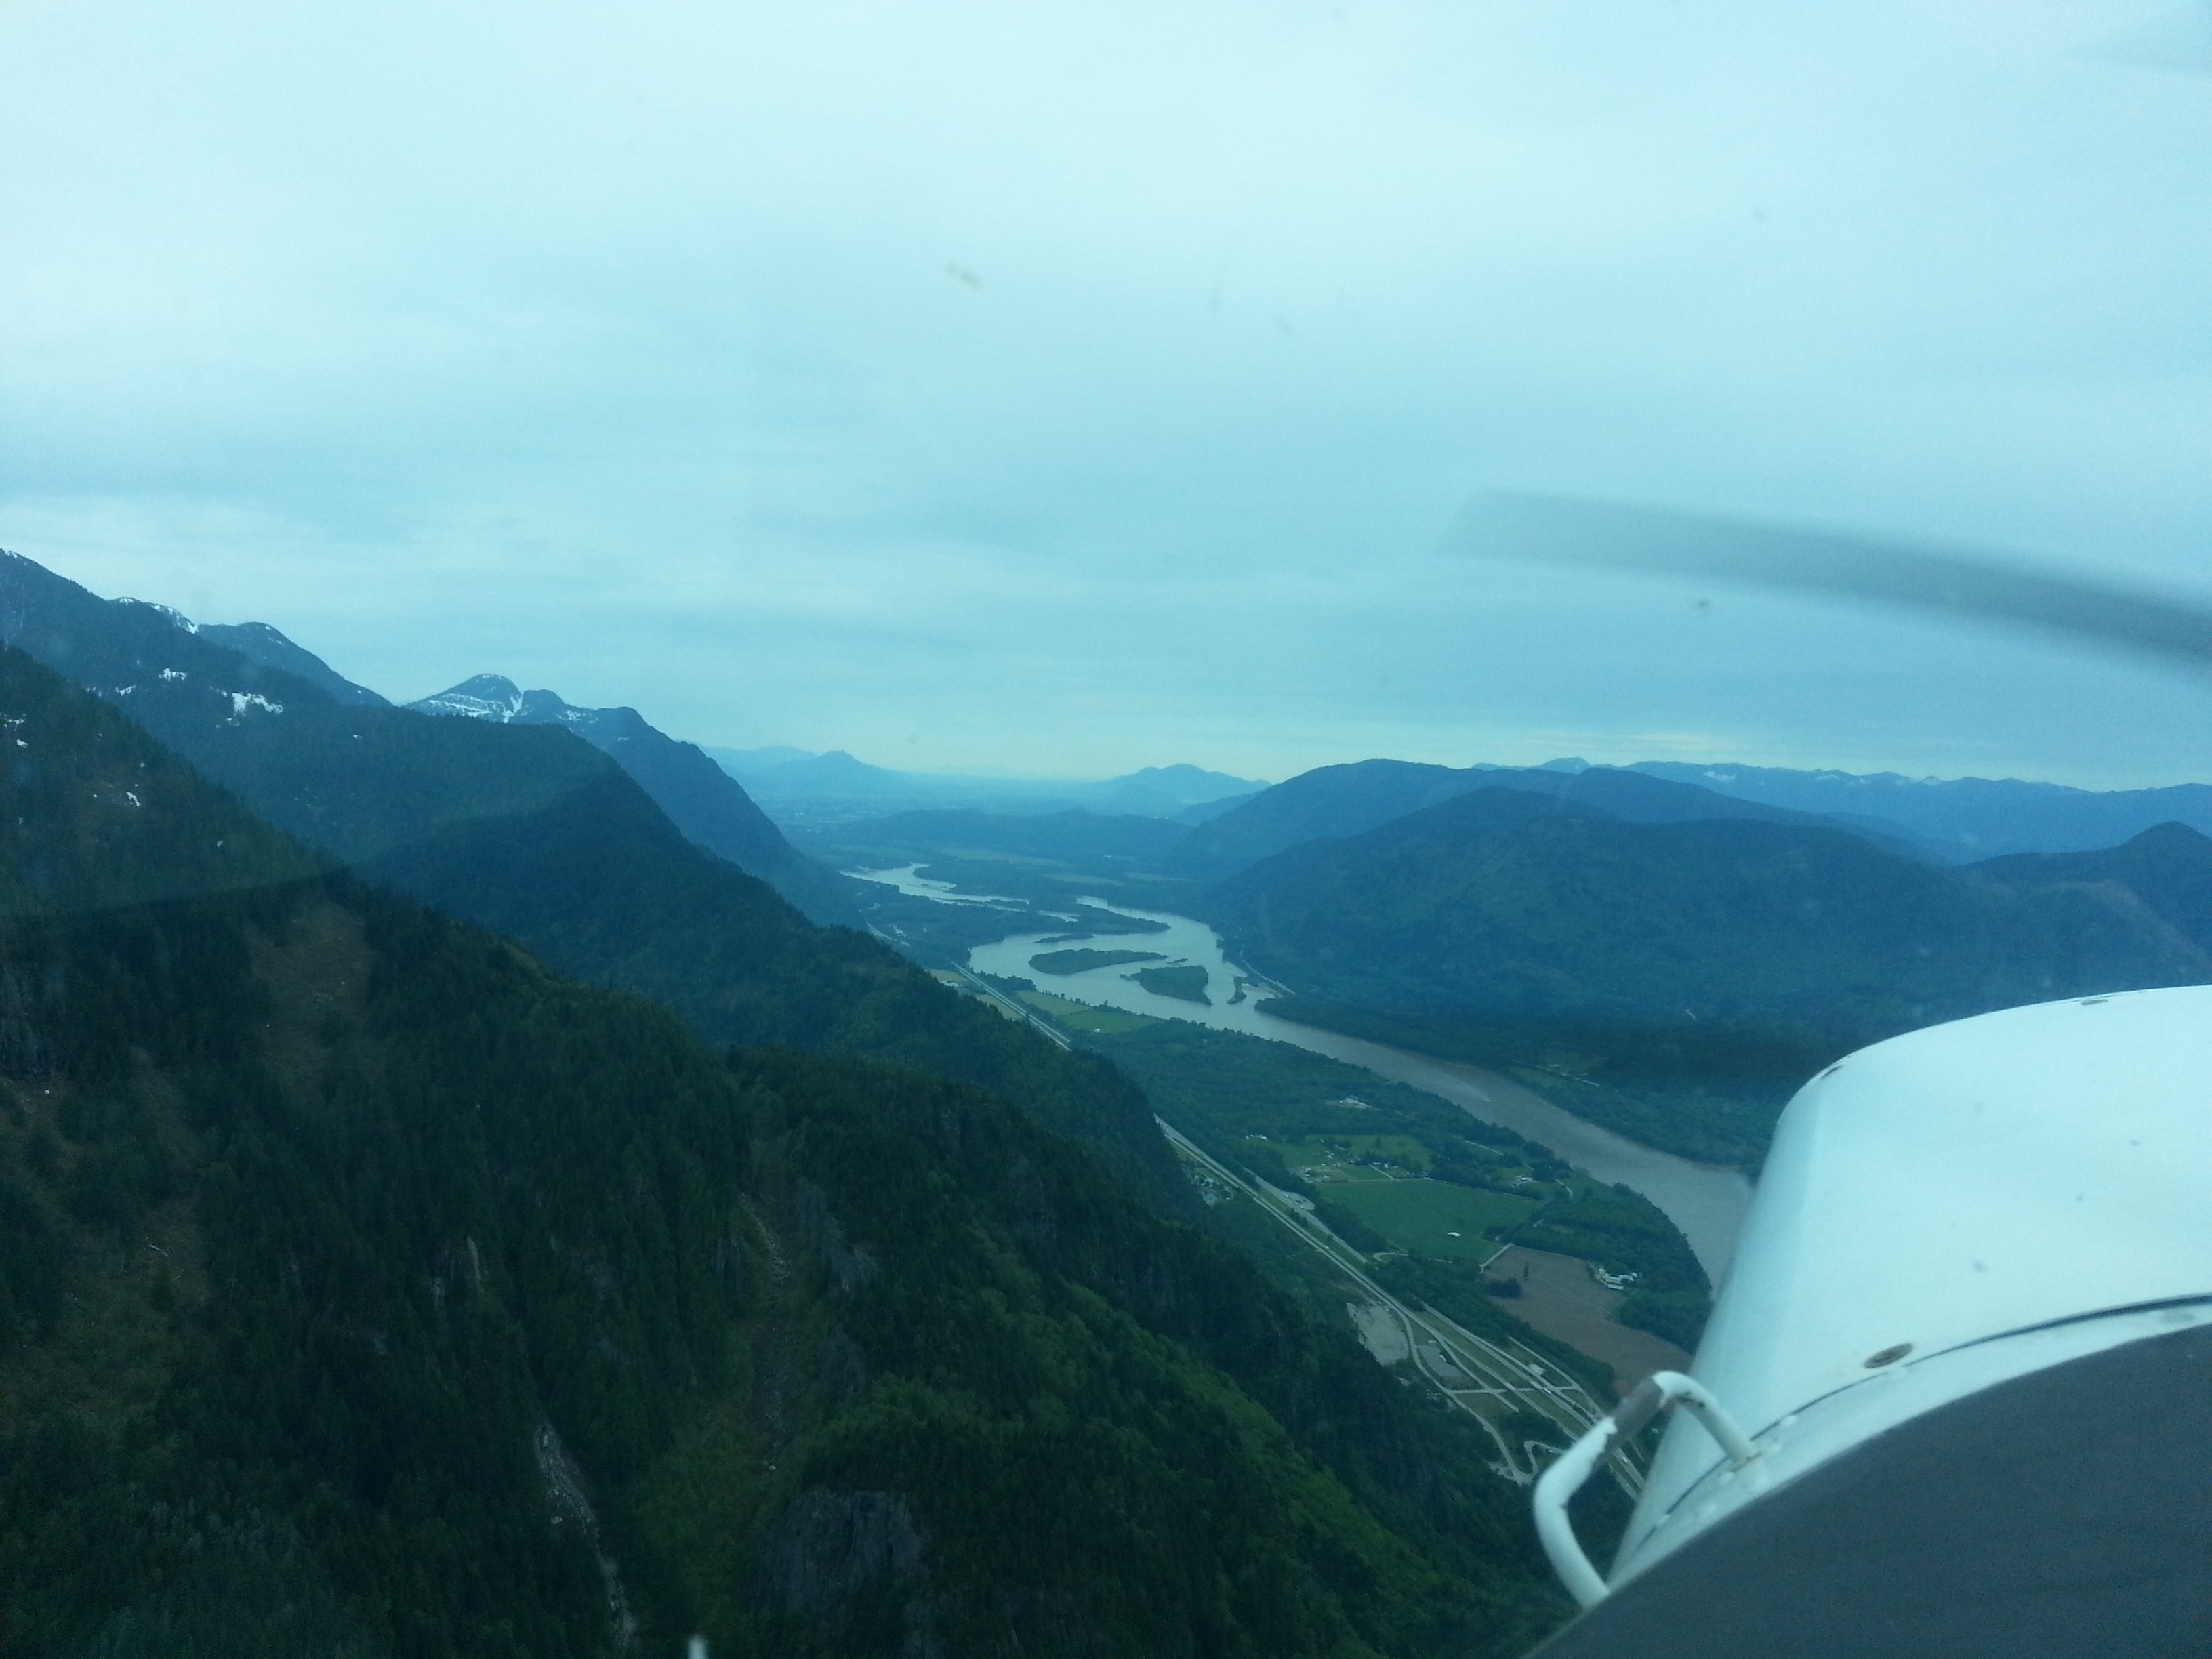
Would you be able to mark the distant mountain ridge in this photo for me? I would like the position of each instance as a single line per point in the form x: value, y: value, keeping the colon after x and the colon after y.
x: 1073, y: 834
x: 742, y: 763
x: 1184, y: 786
x: 1349, y: 800
x: 1961, y: 818
x: 834, y: 775
x: 836, y: 787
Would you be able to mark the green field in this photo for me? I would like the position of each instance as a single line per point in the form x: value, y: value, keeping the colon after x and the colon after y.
x: 1422, y: 1215
x: 1082, y: 1016
x: 1345, y: 1151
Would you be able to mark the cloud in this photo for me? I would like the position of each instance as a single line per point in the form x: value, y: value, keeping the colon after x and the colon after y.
x: 1051, y: 380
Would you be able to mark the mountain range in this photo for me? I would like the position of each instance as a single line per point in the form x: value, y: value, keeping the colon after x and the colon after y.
x: 451, y: 1201
x: 1711, y: 963
x: 1955, y: 820
x: 528, y: 829
x: 261, y: 643
x: 1648, y: 950
x: 1960, y: 819
x: 836, y: 788
x: 699, y: 798
x: 367, y: 1289
x: 1346, y: 800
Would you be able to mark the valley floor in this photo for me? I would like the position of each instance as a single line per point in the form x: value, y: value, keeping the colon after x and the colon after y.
x: 1560, y: 1298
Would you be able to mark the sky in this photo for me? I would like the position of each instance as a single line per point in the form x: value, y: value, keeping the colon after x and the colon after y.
x: 1062, y: 388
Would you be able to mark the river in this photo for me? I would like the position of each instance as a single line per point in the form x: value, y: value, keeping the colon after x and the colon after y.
x: 909, y: 880
x: 1707, y: 1203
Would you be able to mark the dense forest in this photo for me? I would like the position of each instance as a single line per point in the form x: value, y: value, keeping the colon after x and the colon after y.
x: 370, y: 1289
x: 1676, y: 980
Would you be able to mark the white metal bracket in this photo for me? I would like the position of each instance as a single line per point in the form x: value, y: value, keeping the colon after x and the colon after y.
x: 1660, y: 1391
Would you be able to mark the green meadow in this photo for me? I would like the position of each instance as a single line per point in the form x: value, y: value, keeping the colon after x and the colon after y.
x: 1344, y: 1152
x: 1082, y: 1016
x: 1423, y: 1216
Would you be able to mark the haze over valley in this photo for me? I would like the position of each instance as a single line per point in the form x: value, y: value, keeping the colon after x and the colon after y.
x: 1459, y: 1073
x: 957, y: 832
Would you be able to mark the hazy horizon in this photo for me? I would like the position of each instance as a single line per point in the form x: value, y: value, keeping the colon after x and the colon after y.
x: 985, y: 770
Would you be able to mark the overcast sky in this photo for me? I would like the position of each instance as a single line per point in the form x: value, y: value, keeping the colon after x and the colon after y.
x: 1069, y: 387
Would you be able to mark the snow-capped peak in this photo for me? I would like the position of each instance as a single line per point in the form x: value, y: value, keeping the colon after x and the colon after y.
x: 485, y: 697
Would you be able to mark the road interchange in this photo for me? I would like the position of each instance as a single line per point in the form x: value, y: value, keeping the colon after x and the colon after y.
x: 1470, y: 1371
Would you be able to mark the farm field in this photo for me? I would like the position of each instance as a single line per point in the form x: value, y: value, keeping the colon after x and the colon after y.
x: 1341, y: 1152
x: 1422, y: 1215
x: 1082, y: 1016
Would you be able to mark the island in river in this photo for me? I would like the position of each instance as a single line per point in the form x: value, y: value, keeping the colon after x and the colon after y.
x: 1185, y: 983
x: 1082, y: 962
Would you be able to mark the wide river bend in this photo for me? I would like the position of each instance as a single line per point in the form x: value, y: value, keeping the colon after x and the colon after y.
x: 1707, y: 1203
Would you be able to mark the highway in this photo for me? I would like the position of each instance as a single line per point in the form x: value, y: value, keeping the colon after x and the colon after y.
x: 1471, y: 1371
x: 1489, y: 1381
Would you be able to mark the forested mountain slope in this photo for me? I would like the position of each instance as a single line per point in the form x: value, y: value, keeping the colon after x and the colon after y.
x: 527, y: 830
x: 264, y: 644
x: 333, y: 762
x: 371, y: 1290
x: 1728, y: 955
x: 1346, y: 800
x: 2167, y: 869
x: 600, y: 886
x: 702, y: 800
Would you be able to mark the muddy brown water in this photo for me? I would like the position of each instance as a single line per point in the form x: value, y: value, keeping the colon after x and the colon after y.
x: 1560, y: 1298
